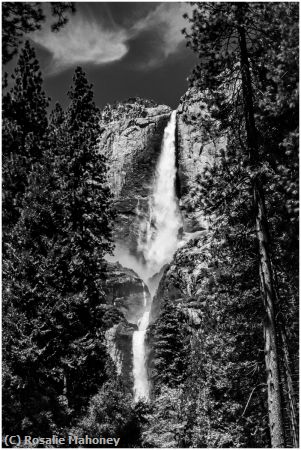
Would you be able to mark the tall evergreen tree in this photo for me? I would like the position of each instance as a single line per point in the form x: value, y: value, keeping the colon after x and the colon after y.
x: 82, y: 170
x: 54, y: 347
x: 169, y: 344
x: 24, y: 126
x: 234, y: 43
x: 83, y: 240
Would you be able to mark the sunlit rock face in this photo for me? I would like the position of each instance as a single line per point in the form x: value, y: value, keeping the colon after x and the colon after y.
x: 131, y: 138
x: 195, y: 152
x: 188, y: 274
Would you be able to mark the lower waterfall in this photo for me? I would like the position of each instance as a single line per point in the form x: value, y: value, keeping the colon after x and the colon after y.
x: 158, y: 244
x: 141, y: 387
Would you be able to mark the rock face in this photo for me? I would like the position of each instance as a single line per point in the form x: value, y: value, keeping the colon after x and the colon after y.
x: 119, y: 346
x: 195, y: 151
x: 190, y: 272
x: 131, y: 138
x: 126, y: 291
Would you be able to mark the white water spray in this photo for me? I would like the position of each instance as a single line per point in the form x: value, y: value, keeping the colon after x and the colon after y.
x: 158, y: 244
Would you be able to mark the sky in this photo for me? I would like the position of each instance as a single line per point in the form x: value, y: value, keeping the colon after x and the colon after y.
x: 126, y: 49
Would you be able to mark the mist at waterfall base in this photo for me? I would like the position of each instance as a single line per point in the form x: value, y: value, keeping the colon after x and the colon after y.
x: 157, y: 242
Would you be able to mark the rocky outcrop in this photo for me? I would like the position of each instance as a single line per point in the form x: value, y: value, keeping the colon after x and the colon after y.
x: 190, y: 273
x: 131, y: 138
x: 127, y: 293
x: 196, y: 150
x: 125, y: 290
x: 119, y: 346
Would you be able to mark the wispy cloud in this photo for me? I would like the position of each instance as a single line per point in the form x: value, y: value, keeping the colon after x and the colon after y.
x: 167, y: 20
x: 88, y: 40
x: 82, y: 41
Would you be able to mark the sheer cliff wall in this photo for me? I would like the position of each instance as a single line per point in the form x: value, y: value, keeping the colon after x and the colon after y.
x: 131, y: 138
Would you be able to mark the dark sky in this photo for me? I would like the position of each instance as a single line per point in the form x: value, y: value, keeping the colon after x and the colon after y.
x: 126, y: 49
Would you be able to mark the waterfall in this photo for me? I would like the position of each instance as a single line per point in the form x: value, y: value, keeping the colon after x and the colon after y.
x: 161, y: 238
x: 141, y: 388
x: 159, y: 243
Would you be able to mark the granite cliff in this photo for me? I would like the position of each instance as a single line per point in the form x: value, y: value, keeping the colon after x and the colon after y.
x: 131, y: 137
x: 194, y: 312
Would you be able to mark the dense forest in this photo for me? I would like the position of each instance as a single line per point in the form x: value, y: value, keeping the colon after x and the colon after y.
x: 226, y: 379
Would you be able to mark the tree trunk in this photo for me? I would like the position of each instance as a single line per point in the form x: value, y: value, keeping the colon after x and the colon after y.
x: 293, y: 409
x: 270, y: 335
x: 265, y: 267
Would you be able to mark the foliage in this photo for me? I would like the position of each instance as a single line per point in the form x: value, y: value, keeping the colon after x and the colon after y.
x: 226, y: 357
x: 132, y: 107
x: 111, y: 413
x: 250, y: 99
x: 53, y: 300
x: 169, y: 345
x: 223, y: 355
x: 165, y: 421
x: 24, y: 126
x: 19, y: 18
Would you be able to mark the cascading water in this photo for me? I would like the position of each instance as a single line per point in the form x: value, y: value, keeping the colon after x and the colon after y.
x: 161, y: 237
x: 159, y: 243
x: 141, y: 388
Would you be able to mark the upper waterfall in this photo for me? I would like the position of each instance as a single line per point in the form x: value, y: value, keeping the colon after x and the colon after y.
x: 161, y: 234
x: 158, y: 243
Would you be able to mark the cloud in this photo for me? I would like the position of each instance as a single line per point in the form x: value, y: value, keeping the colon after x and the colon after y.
x: 82, y: 41
x: 167, y: 20
x: 88, y: 39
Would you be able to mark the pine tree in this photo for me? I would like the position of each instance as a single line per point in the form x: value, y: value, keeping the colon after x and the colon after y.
x: 57, y: 117
x: 80, y: 236
x: 19, y: 18
x: 54, y: 306
x: 169, y: 337
x: 25, y: 123
x: 165, y: 424
x: 82, y: 169
x: 235, y: 44
x: 111, y: 413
